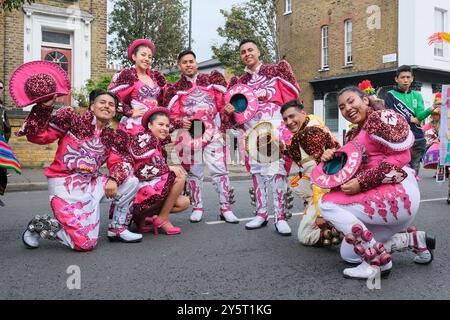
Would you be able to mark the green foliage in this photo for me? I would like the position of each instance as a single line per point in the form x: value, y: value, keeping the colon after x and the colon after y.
x: 256, y: 20
x: 82, y: 96
x: 10, y: 5
x: 162, y: 21
x: 173, y: 77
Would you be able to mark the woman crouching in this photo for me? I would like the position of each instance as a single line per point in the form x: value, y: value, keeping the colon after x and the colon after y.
x: 376, y: 205
x: 160, y: 185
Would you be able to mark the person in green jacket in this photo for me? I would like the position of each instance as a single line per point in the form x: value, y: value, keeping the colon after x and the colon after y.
x: 410, y: 105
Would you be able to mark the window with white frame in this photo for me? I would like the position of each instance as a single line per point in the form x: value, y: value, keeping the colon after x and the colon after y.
x: 440, y: 21
x: 325, y: 47
x: 348, y: 27
x: 287, y: 6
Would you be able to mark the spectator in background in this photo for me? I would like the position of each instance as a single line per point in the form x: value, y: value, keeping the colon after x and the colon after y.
x: 409, y: 104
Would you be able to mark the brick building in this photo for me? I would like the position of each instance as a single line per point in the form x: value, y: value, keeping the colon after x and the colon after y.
x: 335, y: 43
x: 72, y: 33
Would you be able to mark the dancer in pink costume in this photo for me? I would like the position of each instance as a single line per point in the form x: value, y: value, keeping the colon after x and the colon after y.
x: 199, y: 98
x: 160, y: 185
x: 274, y: 85
x: 375, y: 196
x: 85, y: 143
x: 139, y: 88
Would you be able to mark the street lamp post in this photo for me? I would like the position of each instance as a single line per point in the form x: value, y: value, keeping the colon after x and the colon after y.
x: 190, y: 24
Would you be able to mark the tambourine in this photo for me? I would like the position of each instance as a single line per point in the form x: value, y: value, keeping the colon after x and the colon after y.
x: 260, y: 144
x: 245, y: 102
x: 200, y: 133
x: 340, y: 169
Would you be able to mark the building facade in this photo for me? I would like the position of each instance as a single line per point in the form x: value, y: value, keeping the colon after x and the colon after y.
x: 71, y: 33
x: 334, y: 43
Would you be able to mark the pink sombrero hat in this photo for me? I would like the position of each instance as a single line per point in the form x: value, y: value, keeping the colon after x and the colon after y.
x: 152, y: 111
x: 38, y: 81
x: 137, y: 43
x: 245, y: 102
x: 340, y: 169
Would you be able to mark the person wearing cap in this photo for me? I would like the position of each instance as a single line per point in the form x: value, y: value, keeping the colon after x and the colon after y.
x: 274, y: 85
x: 139, y: 88
x: 160, y: 185
x: 85, y: 143
x: 199, y: 98
x: 375, y: 195
x: 310, y: 139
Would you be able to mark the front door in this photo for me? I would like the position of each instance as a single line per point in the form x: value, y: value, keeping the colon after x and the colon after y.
x: 63, y: 58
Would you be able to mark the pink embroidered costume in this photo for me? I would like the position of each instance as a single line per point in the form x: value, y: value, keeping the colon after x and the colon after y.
x: 85, y: 143
x: 274, y: 85
x: 150, y: 167
x: 74, y: 180
x: 134, y: 93
x: 389, y: 197
x: 202, y: 98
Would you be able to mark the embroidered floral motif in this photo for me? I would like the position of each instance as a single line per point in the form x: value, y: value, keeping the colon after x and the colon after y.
x: 149, y: 171
x: 388, y: 118
x: 393, y: 128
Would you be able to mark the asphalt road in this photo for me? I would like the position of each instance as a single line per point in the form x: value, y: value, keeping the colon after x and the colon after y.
x: 212, y: 261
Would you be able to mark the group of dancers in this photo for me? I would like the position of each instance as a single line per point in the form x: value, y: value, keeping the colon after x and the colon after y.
x: 363, y: 194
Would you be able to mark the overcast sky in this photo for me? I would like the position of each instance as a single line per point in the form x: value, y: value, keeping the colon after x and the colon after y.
x: 206, y: 18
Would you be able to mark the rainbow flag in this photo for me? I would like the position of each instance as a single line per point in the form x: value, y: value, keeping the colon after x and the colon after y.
x: 7, y: 158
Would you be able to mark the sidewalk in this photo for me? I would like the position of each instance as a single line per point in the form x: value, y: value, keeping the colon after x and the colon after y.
x: 33, y: 179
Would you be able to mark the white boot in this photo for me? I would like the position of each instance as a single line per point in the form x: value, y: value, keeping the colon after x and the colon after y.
x: 229, y: 217
x: 196, y: 216
x: 422, y: 245
x: 365, y: 271
x: 123, y: 235
x: 257, y: 223
x: 31, y: 239
x: 283, y: 228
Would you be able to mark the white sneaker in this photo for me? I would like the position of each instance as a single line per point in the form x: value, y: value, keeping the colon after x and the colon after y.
x: 366, y: 271
x: 31, y: 239
x: 196, y: 216
x: 257, y: 223
x: 283, y: 228
x: 403, y: 241
x: 123, y: 235
x: 424, y: 257
x: 229, y: 217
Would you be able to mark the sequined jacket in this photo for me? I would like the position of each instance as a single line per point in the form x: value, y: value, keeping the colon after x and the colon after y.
x: 82, y: 148
x: 149, y: 155
x: 133, y: 93
x: 311, y: 141
x: 385, y: 138
x: 202, y: 98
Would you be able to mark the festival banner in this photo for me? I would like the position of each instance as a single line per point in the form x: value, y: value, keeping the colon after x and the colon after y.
x: 444, y: 132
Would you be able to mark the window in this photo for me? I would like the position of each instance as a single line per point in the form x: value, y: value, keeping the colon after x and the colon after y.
x: 288, y: 6
x: 324, y: 47
x: 55, y: 37
x: 59, y: 58
x: 331, y: 112
x: 348, y: 42
x: 440, y: 17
